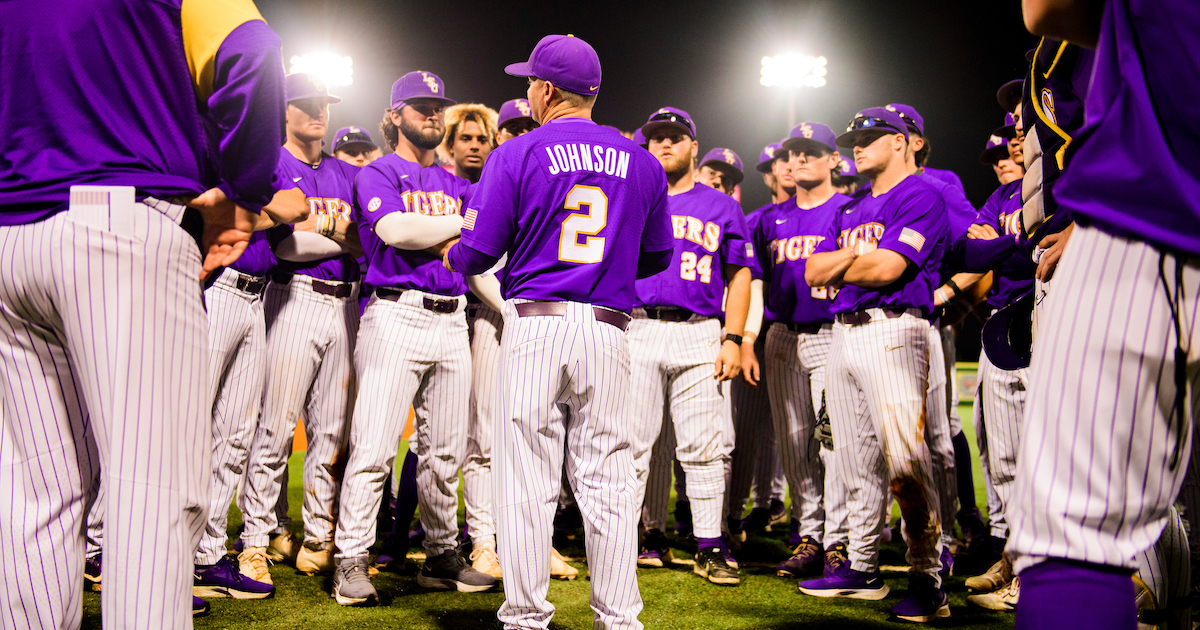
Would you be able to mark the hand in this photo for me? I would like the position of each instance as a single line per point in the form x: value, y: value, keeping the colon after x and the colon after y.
x: 750, y: 368
x: 982, y: 232
x: 864, y: 247
x: 443, y: 250
x: 1054, y: 244
x: 729, y: 362
x: 227, y: 229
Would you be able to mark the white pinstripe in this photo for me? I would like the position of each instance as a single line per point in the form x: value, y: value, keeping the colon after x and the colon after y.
x: 1093, y: 477
x: 563, y: 391
x: 938, y: 432
x: 237, y: 335
x: 878, y: 401
x: 672, y: 371
x: 310, y: 342
x: 657, y: 500
x: 408, y: 356
x: 1001, y: 405
x: 754, y: 460
x: 486, y: 326
x: 796, y: 380
x: 103, y: 343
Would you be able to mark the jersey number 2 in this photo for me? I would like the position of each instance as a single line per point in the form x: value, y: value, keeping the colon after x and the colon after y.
x: 591, y: 250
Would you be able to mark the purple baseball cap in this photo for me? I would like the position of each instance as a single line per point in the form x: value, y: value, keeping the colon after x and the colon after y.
x: 1008, y: 130
x: 872, y: 120
x: 348, y: 136
x: 996, y: 150
x: 810, y: 134
x: 910, y: 116
x: 301, y: 85
x: 418, y: 84
x: 513, y: 110
x: 669, y: 117
x: 639, y: 137
x: 767, y: 157
x: 563, y: 60
x: 846, y: 168
x: 726, y: 161
x: 1009, y: 94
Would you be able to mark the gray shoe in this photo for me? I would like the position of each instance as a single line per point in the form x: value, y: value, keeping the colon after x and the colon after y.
x: 351, y: 584
x: 451, y: 571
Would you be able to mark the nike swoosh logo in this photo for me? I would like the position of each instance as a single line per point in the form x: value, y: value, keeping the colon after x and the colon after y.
x: 780, y: 221
x: 890, y: 348
x: 296, y: 179
x: 593, y: 88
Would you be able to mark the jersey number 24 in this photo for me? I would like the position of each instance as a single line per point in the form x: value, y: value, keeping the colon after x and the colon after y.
x: 587, y: 225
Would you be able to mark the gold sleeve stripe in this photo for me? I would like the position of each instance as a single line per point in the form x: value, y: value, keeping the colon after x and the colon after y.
x: 206, y: 24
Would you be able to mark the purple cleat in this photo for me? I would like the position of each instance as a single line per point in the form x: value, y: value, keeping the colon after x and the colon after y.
x: 808, y: 558
x: 92, y: 573
x: 223, y: 579
x: 924, y: 603
x: 656, y: 552
x: 842, y: 581
x: 947, y: 563
x: 199, y: 607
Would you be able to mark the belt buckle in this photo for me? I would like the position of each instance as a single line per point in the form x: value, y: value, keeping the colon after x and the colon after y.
x: 439, y: 306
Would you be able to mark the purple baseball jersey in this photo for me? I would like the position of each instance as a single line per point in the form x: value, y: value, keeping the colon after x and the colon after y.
x: 258, y: 259
x: 785, y: 237
x: 329, y: 189
x: 1134, y: 168
x: 573, y: 204
x: 710, y: 232
x: 394, y: 184
x: 752, y: 220
x: 959, y: 210
x: 1013, y: 273
x: 141, y: 125
x: 909, y: 219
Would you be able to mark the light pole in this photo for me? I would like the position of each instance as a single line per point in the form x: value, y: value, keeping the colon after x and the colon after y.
x: 793, y: 71
x: 330, y: 68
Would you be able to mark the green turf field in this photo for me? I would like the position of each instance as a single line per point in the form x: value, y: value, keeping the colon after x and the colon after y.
x: 674, y: 597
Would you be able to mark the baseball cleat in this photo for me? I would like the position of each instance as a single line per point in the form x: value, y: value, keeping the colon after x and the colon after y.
x: 352, y: 584
x: 252, y: 563
x: 283, y: 548
x: 199, y: 607
x: 711, y: 565
x: 999, y: 575
x: 449, y: 571
x: 758, y: 521
x: 808, y: 558
x: 315, y: 558
x: 794, y: 536
x: 683, y: 518
x: 484, y: 560
x: 559, y: 569
x: 736, y: 535
x: 392, y: 557
x: 777, y: 514
x: 224, y: 580
x: 924, y: 603
x: 1004, y: 598
x: 92, y: 573
x: 729, y: 559
x: 656, y: 552
x: 947, y: 559
x: 842, y: 581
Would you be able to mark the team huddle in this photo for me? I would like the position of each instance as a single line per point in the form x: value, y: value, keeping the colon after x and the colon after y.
x: 576, y: 315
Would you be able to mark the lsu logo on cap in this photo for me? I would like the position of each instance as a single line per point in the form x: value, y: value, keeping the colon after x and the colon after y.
x: 728, y: 155
x: 355, y: 130
x: 523, y: 107
x: 995, y: 140
x: 806, y: 130
x: 430, y: 81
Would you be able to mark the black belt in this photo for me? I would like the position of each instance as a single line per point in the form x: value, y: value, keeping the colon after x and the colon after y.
x: 332, y: 289
x: 857, y: 318
x: 669, y: 314
x: 448, y: 305
x: 250, y: 284
x: 807, y: 329
x: 558, y: 309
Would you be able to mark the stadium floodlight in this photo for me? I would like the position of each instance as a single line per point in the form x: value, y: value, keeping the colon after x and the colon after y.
x: 793, y: 71
x: 330, y: 68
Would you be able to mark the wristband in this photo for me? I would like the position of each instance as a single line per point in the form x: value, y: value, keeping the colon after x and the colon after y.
x: 954, y: 287
x: 941, y: 295
x: 737, y: 339
x: 326, y: 225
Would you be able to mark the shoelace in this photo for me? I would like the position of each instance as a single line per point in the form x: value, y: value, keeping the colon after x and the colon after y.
x: 804, y: 547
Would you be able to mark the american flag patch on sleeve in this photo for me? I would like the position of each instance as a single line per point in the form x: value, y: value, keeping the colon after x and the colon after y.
x: 749, y: 250
x: 469, y: 220
x: 912, y: 238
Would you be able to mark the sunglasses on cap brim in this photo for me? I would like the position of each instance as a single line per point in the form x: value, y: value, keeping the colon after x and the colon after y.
x: 871, y: 123
x: 674, y: 118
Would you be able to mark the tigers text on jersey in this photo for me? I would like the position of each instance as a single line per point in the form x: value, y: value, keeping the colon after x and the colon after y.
x: 328, y: 189
x: 910, y: 219
x: 710, y: 232
x: 571, y: 235
x: 1014, y: 274
x: 784, y: 239
x: 394, y: 184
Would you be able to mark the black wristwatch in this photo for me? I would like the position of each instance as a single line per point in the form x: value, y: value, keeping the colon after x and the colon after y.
x: 737, y: 339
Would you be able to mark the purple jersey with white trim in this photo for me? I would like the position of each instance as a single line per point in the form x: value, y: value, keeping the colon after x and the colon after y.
x: 909, y: 219
x: 785, y: 237
x: 328, y: 189
x: 710, y: 232
x: 169, y: 121
x: 752, y: 220
x: 1014, y: 276
x: 573, y: 204
x: 394, y: 184
x: 1134, y: 168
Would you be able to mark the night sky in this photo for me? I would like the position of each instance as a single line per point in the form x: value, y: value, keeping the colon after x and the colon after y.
x: 946, y: 58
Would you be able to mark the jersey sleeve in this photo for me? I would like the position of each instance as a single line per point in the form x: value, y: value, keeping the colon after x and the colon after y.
x: 376, y: 195
x: 490, y: 218
x: 760, y: 264
x: 658, y: 236
x: 915, y: 226
x: 737, y: 248
x: 830, y: 242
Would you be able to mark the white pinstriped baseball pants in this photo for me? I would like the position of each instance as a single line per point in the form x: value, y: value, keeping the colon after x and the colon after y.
x: 939, y: 429
x: 408, y: 356
x: 754, y: 460
x: 310, y: 345
x: 103, y: 348
x: 672, y: 372
x: 563, y: 403
x: 1094, y: 476
x: 877, y: 393
x: 486, y: 326
x: 999, y: 409
x: 237, y: 333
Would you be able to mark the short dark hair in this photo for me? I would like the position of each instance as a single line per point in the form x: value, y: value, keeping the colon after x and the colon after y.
x: 922, y: 156
x: 391, y: 133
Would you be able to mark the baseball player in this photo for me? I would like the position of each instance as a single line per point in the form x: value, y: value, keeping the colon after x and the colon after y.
x: 354, y: 146
x: 413, y: 349
x: 112, y: 370
x: 676, y: 345
x: 721, y: 169
x: 847, y: 180
x: 1115, y: 353
x: 470, y: 136
x: 515, y: 119
x: 312, y: 320
x: 580, y: 211
x: 883, y: 254
x: 798, y: 343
